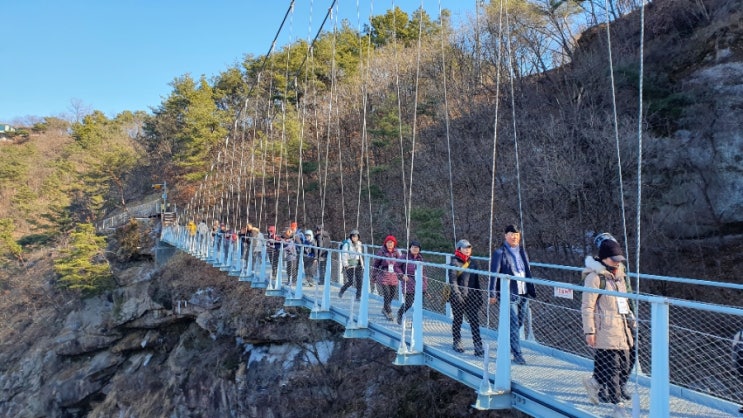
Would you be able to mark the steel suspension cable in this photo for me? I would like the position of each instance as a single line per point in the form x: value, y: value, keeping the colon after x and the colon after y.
x: 636, y: 398
x: 415, y: 123
x: 365, y: 133
x: 448, y: 132
x: 333, y: 89
x: 284, y: 159
x: 511, y: 76
x: 616, y: 130
x: 399, y: 119
x: 491, y: 244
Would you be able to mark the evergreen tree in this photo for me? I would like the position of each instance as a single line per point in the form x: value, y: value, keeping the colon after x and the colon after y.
x: 7, y: 243
x: 83, y: 265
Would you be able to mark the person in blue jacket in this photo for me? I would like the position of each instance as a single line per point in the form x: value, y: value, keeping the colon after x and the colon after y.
x: 511, y: 259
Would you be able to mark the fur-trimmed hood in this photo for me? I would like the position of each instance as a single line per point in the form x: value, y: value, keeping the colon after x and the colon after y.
x: 595, y: 265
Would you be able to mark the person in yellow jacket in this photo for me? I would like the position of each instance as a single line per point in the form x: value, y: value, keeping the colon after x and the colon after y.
x: 191, y: 229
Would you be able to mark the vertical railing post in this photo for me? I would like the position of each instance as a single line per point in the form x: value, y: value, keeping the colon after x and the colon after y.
x: 447, y: 305
x: 660, y: 375
x: 264, y: 253
x: 300, y: 272
x: 364, y: 303
x: 247, y: 273
x: 326, y: 285
x: 503, y: 360
x: 279, y: 268
x: 417, y: 331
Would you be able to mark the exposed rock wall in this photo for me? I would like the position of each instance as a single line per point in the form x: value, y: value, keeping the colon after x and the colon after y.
x: 190, y: 341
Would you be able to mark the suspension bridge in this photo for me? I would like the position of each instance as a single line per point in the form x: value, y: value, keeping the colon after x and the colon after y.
x: 684, y: 367
x: 291, y: 118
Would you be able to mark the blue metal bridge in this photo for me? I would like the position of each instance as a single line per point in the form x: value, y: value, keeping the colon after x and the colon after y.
x: 684, y: 367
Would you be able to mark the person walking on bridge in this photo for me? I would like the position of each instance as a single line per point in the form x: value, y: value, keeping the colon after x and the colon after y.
x: 202, y: 231
x: 408, y: 279
x: 191, y: 229
x: 322, y: 240
x: 465, y: 297
x: 608, y: 322
x: 511, y: 259
x: 353, y: 263
x: 387, y: 272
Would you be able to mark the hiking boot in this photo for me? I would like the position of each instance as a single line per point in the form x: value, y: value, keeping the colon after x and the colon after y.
x: 340, y: 294
x: 399, y: 318
x: 457, y: 346
x: 387, y: 315
x: 519, y: 360
x: 592, y: 389
x: 479, y: 352
x: 620, y: 411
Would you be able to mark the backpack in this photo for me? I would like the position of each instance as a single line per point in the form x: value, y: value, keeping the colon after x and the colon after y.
x: 344, y: 243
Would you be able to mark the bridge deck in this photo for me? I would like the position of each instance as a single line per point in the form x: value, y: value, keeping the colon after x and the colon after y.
x: 549, y: 385
x: 550, y: 378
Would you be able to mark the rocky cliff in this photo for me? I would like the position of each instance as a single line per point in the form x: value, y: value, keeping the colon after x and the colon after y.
x: 188, y: 341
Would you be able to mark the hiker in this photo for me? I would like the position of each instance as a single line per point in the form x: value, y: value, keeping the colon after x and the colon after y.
x: 202, y: 231
x: 257, y: 243
x: 290, y: 255
x: 352, y: 262
x: 273, y: 247
x: 408, y: 279
x: 309, y: 256
x: 387, y: 273
x: 511, y: 259
x: 613, y: 339
x: 191, y: 229
x: 465, y: 297
x: 322, y: 240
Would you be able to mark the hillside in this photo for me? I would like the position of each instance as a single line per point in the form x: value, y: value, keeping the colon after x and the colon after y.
x: 136, y: 348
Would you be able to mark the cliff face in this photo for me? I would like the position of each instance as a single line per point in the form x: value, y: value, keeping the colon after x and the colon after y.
x: 188, y: 340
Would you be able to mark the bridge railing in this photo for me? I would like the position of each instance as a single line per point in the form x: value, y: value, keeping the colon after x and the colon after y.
x: 682, y: 346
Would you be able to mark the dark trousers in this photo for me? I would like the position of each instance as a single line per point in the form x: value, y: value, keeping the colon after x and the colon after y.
x: 472, y: 310
x: 409, y: 299
x: 273, y: 255
x: 611, y: 370
x: 291, y: 270
x: 354, y: 276
x: 389, y: 292
x: 518, y: 312
x: 310, y: 268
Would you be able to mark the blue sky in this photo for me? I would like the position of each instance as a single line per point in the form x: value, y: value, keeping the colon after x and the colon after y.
x: 116, y: 55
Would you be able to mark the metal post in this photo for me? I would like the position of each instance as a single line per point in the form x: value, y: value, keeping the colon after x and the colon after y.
x: 659, y: 379
x: 503, y: 360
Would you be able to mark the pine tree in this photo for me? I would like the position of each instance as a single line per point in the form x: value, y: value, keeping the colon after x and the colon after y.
x: 83, y: 265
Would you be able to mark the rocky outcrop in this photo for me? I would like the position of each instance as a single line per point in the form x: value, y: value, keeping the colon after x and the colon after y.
x: 222, y: 350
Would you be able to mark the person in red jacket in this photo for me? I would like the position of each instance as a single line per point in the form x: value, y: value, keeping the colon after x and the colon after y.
x: 387, y: 272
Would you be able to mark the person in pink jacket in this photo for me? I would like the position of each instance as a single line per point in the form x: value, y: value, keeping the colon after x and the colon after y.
x: 387, y: 273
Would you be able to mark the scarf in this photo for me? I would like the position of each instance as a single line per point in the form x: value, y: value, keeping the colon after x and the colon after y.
x: 461, y: 256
